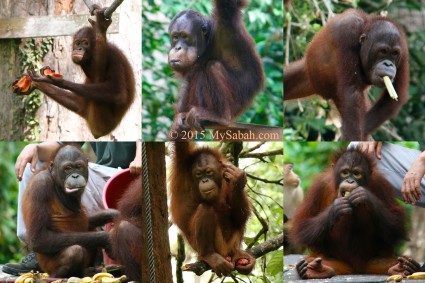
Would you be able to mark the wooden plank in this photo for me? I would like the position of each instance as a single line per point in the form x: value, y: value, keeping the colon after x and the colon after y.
x: 45, y: 26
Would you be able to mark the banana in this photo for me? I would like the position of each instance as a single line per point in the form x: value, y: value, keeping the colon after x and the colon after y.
x: 113, y: 280
x: 58, y: 281
x: 24, y: 276
x: 29, y: 280
x: 396, y: 278
x: 101, y: 275
x: 110, y: 280
x: 87, y: 280
x: 74, y: 280
x: 43, y: 275
x: 417, y: 275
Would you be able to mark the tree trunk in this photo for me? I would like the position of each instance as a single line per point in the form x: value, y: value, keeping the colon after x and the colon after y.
x: 161, y: 256
x: 416, y: 246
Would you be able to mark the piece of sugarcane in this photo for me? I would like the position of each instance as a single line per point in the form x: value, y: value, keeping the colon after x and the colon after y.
x: 390, y: 88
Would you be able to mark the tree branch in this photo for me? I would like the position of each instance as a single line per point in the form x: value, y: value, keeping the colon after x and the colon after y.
x: 278, y: 182
x: 273, y: 244
x: 262, y: 154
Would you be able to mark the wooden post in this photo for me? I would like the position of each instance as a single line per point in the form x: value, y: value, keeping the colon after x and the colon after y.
x: 155, y: 153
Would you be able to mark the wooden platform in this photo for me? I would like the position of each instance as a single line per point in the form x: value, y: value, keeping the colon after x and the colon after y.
x: 291, y: 275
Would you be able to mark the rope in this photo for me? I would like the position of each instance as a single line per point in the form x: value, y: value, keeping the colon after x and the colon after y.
x: 147, y: 203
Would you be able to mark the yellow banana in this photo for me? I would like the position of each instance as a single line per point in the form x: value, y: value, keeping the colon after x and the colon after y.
x: 396, y: 278
x: 113, y: 280
x: 87, y: 280
x: 417, y: 275
x: 74, y: 280
x: 29, y: 280
x: 43, y: 275
x: 58, y: 281
x: 24, y: 276
x: 101, y: 275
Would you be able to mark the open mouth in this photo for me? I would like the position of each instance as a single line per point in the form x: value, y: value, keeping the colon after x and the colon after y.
x: 345, y: 194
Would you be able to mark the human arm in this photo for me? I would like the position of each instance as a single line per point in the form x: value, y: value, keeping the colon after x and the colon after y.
x: 372, y: 148
x: 33, y: 153
x: 411, y: 188
x: 136, y: 164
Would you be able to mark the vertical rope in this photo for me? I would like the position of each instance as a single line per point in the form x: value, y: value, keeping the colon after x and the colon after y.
x: 148, y: 213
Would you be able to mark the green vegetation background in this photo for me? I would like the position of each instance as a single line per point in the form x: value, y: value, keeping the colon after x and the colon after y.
x: 312, y: 121
x: 10, y: 246
x: 312, y: 158
x: 160, y: 88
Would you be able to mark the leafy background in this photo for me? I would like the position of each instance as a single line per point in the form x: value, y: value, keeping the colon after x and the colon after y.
x: 264, y: 188
x: 313, y: 119
x: 10, y: 246
x: 312, y: 158
x: 264, y: 22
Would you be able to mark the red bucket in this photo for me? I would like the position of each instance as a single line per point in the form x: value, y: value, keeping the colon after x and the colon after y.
x: 114, y: 189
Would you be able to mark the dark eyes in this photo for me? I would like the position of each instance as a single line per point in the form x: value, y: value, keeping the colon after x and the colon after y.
x: 357, y: 174
x: 83, y: 43
x: 345, y: 173
x: 199, y: 174
x: 385, y: 52
x: 69, y: 168
x: 182, y: 36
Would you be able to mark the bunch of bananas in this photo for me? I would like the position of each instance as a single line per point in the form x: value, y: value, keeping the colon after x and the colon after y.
x: 398, y: 278
x: 102, y: 277
x: 31, y: 277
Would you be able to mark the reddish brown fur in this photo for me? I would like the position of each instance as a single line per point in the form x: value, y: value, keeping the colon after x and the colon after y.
x: 61, y: 235
x: 201, y: 222
x: 126, y: 234
x: 109, y: 88
x: 228, y: 73
x: 362, y: 241
x: 332, y: 68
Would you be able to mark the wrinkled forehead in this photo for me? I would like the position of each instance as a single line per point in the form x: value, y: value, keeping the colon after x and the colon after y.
x: 69, y: 153
x: 384, y: 31
x: 187, y: 23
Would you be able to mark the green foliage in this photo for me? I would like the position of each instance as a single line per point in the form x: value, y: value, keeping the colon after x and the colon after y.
x: 32, y: 51
x: 310, y: 158
x: 314, y: 120
x: 267, y: 201
x: 275, y: 265
x: 9, y: 243
x: 160, y: 89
